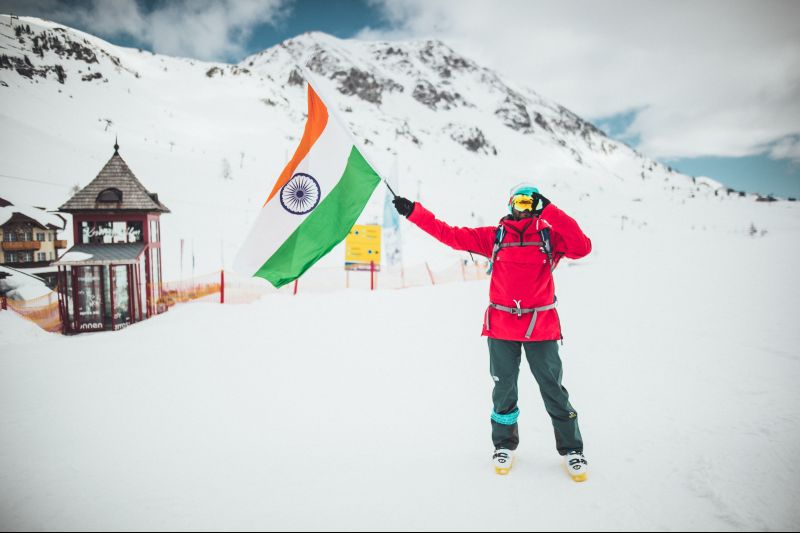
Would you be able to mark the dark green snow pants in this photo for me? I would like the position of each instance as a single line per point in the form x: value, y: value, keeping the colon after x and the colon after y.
x: 504, y: 361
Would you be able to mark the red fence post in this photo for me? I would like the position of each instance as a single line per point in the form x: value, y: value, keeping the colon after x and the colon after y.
x: 295, y: 286
x: 222, y: 286
x: 430, y: 274
x: 372, y: 275
x: 3, y: 303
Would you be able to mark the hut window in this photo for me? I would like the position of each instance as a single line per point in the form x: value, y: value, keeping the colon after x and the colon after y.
x: 110, y: 195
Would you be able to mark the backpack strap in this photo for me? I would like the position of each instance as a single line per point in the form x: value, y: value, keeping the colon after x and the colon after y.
x: 544, y: 244
x: 547, y: 246
x: 498, y: 239
x: 524, y: 243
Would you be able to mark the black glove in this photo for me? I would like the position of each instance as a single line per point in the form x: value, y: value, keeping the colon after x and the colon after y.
x: 404, y: 206
x: 539, y: 203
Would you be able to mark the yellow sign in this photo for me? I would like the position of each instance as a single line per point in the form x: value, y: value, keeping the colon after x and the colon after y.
x: 362, y: 246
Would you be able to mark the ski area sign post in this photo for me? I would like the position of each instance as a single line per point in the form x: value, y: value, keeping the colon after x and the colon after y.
x: 363, y: 250
x: 363, y: 247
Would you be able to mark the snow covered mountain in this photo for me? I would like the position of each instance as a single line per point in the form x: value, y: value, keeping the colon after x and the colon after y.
x: 211, y: 138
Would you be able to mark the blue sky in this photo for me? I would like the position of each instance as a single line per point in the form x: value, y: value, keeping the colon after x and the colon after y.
x: 752, y: 173
x: 342, y: 18
x: 710, y: 88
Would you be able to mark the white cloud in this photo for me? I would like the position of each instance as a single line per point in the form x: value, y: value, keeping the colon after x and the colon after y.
x: 711, y: 78
x: 209, y: 29
x: 786, y: 148
x: 120, y: 17
x: 203, y: 29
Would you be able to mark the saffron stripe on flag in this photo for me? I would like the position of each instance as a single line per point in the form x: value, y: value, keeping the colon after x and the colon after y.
x: 315, y: 125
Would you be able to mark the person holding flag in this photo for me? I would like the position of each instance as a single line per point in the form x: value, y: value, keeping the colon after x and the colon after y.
x: 523, y: 250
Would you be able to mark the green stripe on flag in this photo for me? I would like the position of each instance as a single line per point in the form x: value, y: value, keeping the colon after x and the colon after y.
x: 326, y: 226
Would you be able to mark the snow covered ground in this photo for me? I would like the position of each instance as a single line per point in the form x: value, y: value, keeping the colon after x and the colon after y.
x: 20, y: 285
x: 355, y: 410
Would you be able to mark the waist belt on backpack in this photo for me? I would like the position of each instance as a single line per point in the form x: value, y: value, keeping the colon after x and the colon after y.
x: 519, y: 311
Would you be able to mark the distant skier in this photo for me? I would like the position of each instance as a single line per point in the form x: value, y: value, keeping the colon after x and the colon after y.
x: 523, y: 250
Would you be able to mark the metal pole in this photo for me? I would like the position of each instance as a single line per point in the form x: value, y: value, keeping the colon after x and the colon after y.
x: 390, y: 189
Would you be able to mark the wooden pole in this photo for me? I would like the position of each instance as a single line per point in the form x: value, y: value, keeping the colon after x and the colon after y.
x: 111, y: 285
x: 59, y: 286
x: 103, y: 296
x: 128, y: 276
x: 73, y: 272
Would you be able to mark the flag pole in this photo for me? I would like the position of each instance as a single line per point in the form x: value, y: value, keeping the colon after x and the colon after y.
x: 333, y: 111
x: 389, y: 187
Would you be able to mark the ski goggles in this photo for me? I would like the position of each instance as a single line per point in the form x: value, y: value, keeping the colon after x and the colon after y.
x: 521, y: 202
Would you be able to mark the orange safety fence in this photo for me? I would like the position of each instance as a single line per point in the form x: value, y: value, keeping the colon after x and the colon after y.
x: 398, y: 277
x: 196, y: 288
x: 43, y: 311
x: 242, y: 289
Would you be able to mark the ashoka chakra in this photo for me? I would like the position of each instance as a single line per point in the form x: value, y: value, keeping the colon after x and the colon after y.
x: 301, y: 194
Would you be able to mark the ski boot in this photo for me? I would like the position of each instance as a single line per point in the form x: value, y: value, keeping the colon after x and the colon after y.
x: 503, y: 460
x: 576, y: 465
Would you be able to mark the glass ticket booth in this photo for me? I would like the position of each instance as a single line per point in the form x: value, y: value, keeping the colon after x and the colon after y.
x: 101, y: 295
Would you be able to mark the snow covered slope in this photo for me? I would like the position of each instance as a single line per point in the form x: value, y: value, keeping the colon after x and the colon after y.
x: 370, y: 411
x: 211, y: 138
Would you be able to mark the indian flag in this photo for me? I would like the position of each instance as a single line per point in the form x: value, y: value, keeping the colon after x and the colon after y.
x: 313, y: 205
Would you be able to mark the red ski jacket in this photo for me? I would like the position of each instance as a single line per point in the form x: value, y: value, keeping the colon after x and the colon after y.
x: 522, y: 278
